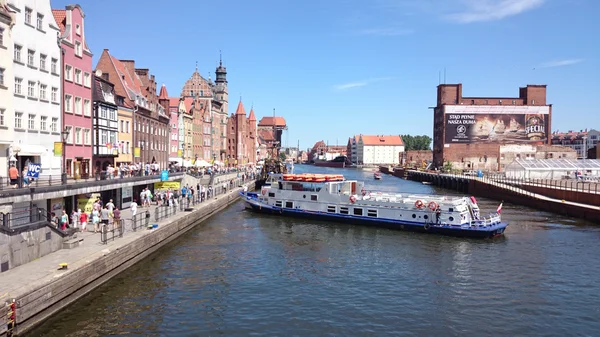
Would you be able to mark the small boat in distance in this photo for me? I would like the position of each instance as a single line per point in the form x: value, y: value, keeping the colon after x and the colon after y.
x: 377, y: 175
x: 331, y: 197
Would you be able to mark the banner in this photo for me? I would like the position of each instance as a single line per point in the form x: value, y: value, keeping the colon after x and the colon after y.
x: 163, y: 185
x: 164, y: 175
x: 33, y: 170
x: 179, y: 153
x: 136, y: 152
x: 58, y: 149
x: 480, y: 124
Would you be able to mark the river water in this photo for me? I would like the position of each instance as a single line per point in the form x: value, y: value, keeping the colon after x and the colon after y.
x: 244, y: 274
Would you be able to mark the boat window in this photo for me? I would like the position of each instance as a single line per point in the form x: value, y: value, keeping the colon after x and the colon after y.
x: 313, y: 197
x: 343, y: 210
x: 414, y: 216
x: 372, y: 212
x: 425, y: 217
x: 289, y: 204
x: 451, y: 218
x: 278, y: 203
x: 358, y: 211
x: 272, y: 195
x: 451, y: 209
x: 331, y: 209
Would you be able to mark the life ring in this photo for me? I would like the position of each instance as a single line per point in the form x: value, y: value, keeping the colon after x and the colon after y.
x: 364, y: 192
x: 419, y: 203
x: 433, y: 205
x: 263, y: 191
x: 352, y: 199
x: 426, y: 226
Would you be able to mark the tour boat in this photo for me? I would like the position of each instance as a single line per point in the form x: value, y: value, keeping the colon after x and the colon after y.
x: 331, y: 197
x: 377, y: 175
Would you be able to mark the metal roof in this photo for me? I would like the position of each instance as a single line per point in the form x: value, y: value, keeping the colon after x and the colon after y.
x: 554, y: 164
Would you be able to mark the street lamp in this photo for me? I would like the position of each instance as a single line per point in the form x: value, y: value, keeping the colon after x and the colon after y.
x: 65, y: 135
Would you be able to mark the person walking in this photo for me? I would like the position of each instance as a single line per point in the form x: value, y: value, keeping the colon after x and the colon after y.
x: 133, y: 207
x: 96, y: 219
x: 83, y: 218
x: 64, y: 220
x: 13, y: 174
x: 110, y: 205
x: 104, y: 216
x: 117, y: 218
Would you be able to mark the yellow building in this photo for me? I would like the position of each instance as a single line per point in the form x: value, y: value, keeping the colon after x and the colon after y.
x: 125, y: 120
x: 188, y: 122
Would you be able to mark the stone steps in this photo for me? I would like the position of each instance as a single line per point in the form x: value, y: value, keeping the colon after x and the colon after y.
x: 69, y: 244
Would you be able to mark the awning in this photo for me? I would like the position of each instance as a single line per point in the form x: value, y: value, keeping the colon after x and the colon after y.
x: 202, y: 163
x: 187, y: 163
x: 30, y: 150
x: 176, y: 160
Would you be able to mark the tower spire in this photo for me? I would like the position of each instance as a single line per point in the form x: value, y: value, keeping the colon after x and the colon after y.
x: 220, y: 58
x: 196, y: 66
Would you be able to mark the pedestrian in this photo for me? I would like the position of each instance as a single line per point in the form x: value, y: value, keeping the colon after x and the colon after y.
x: 116, y: 218
x: 104, y: 216
x: 74, y: 218
x: 13, y: 173
x: 110, y: 205
x: 96, y: 219
x: 64, y: 220
x: 83, y: 218
x: 438, y: 212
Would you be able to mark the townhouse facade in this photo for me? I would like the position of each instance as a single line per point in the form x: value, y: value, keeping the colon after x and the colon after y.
x: 77, y: 89
x: 106, y: 142
x: 7, y: 20
x: 37, y: 118
x: 125, y: 135
x: 241, y: 138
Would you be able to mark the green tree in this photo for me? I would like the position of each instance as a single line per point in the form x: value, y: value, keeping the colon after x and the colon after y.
x: 282, y: 156
x: 416, y: 143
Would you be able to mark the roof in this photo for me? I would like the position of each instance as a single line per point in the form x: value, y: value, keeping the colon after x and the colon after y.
x: 252, y: 117
x: 163, y: 93
x: 318, y: 145
x: 240, y: 109
x: 265, y: 136
x: 268, y: 121
x: 60, y: 15
x: 382, y: 140
x: 174, y: 101
x: 132, y: 87
x: 553, y: 164
x: 187, y: 102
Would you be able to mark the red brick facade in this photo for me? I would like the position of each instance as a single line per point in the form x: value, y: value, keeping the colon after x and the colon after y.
x: 241, y: 138
x: 477, y: 155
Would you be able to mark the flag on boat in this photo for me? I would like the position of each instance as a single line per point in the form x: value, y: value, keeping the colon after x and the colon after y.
x: 499, y: 208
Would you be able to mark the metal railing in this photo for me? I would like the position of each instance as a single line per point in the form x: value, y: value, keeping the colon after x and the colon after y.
x: 111, y: 231
x: 23, y: 217
x: 50, y: 180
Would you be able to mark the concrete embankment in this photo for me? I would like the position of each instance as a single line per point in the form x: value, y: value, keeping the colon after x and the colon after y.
x: 46, y: 290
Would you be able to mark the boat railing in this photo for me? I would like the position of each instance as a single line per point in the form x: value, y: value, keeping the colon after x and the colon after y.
x: 490, y: 220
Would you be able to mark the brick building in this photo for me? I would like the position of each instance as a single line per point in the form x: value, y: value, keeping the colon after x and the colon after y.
x: 136, y: 90
x: 241, y: 138
x: 581, y: 140
x: 468, y: 131
x: 272, y: 128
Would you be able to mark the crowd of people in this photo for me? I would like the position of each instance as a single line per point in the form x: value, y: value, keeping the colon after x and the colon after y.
x: 101, y: 214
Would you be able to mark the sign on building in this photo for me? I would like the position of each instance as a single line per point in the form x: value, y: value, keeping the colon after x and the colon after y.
x: 488, y: 124
x: 33, y: 170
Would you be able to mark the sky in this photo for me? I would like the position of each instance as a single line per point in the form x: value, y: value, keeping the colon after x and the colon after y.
x: 336, y: 68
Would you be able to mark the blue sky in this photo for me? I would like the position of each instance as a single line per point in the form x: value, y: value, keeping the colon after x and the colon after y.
x: 336, y: 68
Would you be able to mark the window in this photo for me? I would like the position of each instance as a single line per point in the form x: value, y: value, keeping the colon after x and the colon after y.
x: 28, y: 13
x: 78, y: 76
x: 343, y: 210
x: 127, y: 127
x: 40, y: 21
x: 1, y: 36
x: 54, y: 124
x: 313, y: 197
x: 78, y: 105
x: 68, y: 103
x: 112, y: 115
x: 372, y: 213
x: 2, y: 117
x: 18, y: 120
x: 500, y: 102
x: 1, y: 76
x: 514, y: 102
x: 127, y: 148
x: 77, y: 135
x: 121, y: 128
x: 533, y: 101
x: 331, y: 209
x: 86, y: 80
x: 43, y: 123
x: 103, y: 137
x: 78, y: 50
x: 68, y: 72
x: 53, y: 65
x: 43, y: 62
x: 86, y: 136
x: 77, y: 29
x: 43, y: 90
x: 31, y: 122
x: 278, y: 203
x: 87, y: 107
x: 69, y: 130
x: 289, y: 204
x: 103, y: 112
x: 54, y: 94
x: 358, y: 211
x: 17, y: 53
x: 30, y: 57
x: 31, y: 88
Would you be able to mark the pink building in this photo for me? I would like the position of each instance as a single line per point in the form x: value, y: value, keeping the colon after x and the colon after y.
x: 77, y: 90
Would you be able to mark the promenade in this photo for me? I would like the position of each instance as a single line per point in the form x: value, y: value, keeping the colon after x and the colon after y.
x: 35, y: 283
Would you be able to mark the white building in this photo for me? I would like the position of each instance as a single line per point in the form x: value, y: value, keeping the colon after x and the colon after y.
x: 36, y: 119
x: 7, y: 18
x: 375, y: 150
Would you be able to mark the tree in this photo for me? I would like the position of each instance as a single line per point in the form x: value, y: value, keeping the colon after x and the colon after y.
x: 416, y: 143
x: 282, y: 156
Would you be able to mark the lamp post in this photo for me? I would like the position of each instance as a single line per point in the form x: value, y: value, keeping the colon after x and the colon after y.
x: 182, y: 153
x: 65, y: 135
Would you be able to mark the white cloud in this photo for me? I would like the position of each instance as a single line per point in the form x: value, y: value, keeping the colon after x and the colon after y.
x: 559, y: 63
x: 491, y: 10
x: 356, y: 84
x: 385, y: 32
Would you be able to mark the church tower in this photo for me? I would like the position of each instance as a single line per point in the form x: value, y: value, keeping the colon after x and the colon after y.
x: 221, y: 91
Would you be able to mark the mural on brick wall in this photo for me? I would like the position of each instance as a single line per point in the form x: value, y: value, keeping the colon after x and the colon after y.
x: 491, y: 124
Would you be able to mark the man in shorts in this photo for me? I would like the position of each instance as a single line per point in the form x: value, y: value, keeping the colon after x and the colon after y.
x: 13, y: 174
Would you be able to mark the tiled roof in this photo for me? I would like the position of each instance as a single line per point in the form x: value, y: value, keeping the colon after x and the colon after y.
x: 174, y: 101
x: 252, y: 117
x: 240, y: 109
x: 132, y: 86
x: 60, y: 15
x: 319, y: 145
x: 268, y: 121
x: 382, y: 140
x: 265, y: 136
x: 187, y: 102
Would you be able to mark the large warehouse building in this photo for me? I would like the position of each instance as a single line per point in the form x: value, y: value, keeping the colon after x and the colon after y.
x: 469, y: 131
